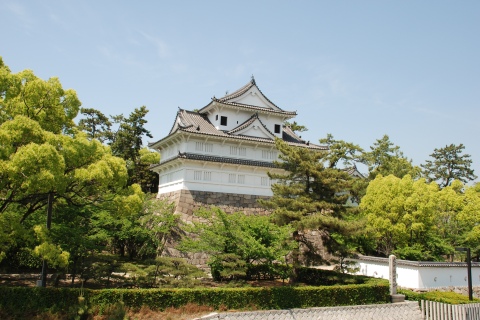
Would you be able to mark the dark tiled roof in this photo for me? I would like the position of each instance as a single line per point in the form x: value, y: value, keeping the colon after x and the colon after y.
x: 289, y: 135
x: 226, y: 100
x: 197, y: 123
x: 202, y: 157
x: 244, y: 89
x: 248, y: 122
x: 250, y: 107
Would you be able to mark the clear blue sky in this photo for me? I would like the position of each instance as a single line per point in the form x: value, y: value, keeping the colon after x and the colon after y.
x: 356, y: 69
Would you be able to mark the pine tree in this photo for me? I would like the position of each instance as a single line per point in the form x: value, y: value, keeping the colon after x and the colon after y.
x: 449, y: 164
x: 311, y: 196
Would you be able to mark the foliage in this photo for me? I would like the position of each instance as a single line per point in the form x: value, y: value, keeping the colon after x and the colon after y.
x: 320, y: 277
x: 126, y: 142
x: 341, y: 151
x: 417, y: 220
x: 20, y: 300
x: 76, y: 170
x: 43, y: 101
x: 449, y: 164
x: 295, y: 126
x: 311, y: 196
x: 385, y: 158
x: 237, y: 242
x: 125, y: 137
x: 95, y: 124
x: 438, y: 296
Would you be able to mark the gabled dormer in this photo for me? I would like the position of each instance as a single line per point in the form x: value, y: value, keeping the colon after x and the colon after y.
x: 253, y: 127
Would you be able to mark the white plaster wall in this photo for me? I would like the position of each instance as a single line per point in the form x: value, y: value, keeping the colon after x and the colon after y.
x: 407, y: 276
x: 448, y: 276
x: 420, y: 277
x: 215, y: 177
x: 373, y: 269
x: 221, y: 149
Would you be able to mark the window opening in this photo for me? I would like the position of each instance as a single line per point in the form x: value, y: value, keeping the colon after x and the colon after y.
x: 223, y: 120
x: 277, y: 128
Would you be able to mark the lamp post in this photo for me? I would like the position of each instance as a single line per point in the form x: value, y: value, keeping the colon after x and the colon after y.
x: 469, y: 266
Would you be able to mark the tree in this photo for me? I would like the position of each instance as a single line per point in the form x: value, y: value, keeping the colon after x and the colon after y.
x: 95, y: 124
x: 126, y: 143
x: 400, y: 213
x: 385, y: 158
x: 417, y: 220
x: 310, y: 196
x: 237, y: 243
x: 295, y: 126
x: 46, y: 102
x: 35, y: 163
x: 341, y: 151
x: 44, y: 159
x: 449, y: 164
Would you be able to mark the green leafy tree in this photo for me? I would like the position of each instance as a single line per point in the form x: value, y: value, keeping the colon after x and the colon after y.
x: 237, y: 243
x: 449, y: 164
x: 35, y: 163
x: 385, y: 158
x: 44, y: 101
x: 399, y: 212
x: 418, y: 220
x: 310, y: 196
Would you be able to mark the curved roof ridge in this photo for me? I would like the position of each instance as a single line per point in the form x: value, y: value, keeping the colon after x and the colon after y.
x: 239, y: 92
x: 245, y: 124
x: 248, y: 106
x: 245, y: 88
x: 266, y: 96
x: 292, y: 133
x: 248, y: 122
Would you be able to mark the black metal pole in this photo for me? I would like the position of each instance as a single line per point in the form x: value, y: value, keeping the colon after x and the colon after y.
x: 469, y: 266
x: 49, y: 225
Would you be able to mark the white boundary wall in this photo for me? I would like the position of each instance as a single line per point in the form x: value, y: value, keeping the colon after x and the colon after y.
x: 420, y: 274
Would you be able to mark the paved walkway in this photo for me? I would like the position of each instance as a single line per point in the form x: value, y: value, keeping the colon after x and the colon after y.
x: 392, y: 311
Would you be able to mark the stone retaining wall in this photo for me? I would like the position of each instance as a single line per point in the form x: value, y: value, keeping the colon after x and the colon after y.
x: 187, y: 201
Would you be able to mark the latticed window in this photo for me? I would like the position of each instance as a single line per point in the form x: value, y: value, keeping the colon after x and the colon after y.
x: 197, y: 175
x: 242, y: 151
x: 208, y: 147
x: 241, y: 179
x: 207, y: 176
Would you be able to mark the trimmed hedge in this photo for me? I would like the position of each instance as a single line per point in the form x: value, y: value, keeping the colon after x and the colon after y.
x: 15, y: 300
x: 438, y: 296
x: 320, y: 277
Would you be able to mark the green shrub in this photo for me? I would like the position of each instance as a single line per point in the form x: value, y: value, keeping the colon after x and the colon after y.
x: 439, y: 296
x: 320, y: 277
x: 38, y: 300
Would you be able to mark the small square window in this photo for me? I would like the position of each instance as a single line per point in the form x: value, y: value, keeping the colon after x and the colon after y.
x: 277, y: 128
x: 223, y: 121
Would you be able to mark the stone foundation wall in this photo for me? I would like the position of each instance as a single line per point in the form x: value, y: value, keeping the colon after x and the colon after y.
x: 187, y: 201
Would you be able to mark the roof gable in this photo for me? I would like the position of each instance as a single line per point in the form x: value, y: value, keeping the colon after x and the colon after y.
x: 253, y: 127
x: 248, y: 97
x: 252, y: 96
